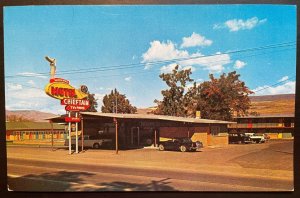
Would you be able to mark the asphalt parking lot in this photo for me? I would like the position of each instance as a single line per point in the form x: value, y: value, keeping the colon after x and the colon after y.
x: 276, y: 155
x: 262, y: 167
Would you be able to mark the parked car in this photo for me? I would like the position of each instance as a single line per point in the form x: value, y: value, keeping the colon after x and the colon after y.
x: 180, y: 144
x: 91, y: 141
x: 257, y: 137
x: 238, y: 138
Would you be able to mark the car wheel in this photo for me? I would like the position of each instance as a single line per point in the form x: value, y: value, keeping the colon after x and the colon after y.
x: 161, y: 147
x: 148, y: 142
x: 182, y: 148
x: 96, y: 146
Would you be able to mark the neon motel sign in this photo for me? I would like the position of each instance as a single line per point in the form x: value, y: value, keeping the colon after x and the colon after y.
x: 61, y: 89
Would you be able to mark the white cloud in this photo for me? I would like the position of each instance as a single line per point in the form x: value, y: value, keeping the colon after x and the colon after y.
x: 13, y: 87
x: 31, y: 74
x: 23, y: 94
x: 128, y: 78
x: 284, y: 78
x: 160, y: 51
x: 213, y: 63
x: 189, y: 67
x: 286, y: 88
x: 167, y: 51
x: 195, y: 40
x: 99, y: 98
x: 239, y: 64
x: 31, y: 82
x: 238, y: 24
x: 169, y: 68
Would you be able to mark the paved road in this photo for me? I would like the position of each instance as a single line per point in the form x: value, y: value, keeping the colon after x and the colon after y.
x: 56, y: 171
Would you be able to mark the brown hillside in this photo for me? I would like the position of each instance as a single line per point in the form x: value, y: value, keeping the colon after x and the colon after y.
x: 36, y: 116
x: 273, y: 104
x: 264, y: 105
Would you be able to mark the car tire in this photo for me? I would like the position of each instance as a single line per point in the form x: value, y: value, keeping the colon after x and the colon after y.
x: 148, y: 142
x: 161, y: 147
x: 96, y: 146
x: 183, y: 148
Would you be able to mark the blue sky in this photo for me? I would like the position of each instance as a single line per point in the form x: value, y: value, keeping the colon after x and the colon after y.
x: 106, y: 47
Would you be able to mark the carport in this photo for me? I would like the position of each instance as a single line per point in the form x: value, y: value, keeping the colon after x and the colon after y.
x: 135, y: 130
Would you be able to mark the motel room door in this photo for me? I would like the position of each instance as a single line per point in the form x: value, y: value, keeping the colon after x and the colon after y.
x: 135, y: 136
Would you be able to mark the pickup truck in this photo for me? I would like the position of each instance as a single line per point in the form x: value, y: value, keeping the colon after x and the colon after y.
x: 257, y: 137
x: 91, y: 141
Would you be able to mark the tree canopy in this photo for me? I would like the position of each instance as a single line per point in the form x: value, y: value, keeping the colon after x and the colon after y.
x: 93, y: 103
x: 218, y: 98
x: 115, y: 102
x: 173, y: 102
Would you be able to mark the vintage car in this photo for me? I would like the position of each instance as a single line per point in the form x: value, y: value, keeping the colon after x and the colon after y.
x: 91, y: 141
x: 238, y: 138
x: 258, y: 137
x: 180, y: 144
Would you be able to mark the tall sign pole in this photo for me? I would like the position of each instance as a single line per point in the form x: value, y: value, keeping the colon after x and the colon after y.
x: 70, y: 151
x: 82, y: 134
x: 76, y: 115
x: 75, y: 100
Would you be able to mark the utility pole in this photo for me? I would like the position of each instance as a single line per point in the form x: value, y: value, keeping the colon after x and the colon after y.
x: 116, y: 103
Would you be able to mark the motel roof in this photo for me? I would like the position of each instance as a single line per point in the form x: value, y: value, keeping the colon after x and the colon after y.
x: 12, y: 126
x: 145, y: 117
x: 155, y: 117
x: 269, y: 116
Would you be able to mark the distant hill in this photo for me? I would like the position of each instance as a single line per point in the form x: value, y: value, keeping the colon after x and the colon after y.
x: 36, y: 116
x: 272, y: 97
x: 264, y: 105
x: 273, y: 104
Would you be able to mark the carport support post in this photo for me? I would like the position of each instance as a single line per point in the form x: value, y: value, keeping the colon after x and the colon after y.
x: 70, y: 151
x: 51, y: 134
x: 81, y: 133
x: 116, y: 124
x: 155, y: 138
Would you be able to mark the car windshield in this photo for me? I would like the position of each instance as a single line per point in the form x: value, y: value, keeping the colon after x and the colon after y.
x: 186, y: 140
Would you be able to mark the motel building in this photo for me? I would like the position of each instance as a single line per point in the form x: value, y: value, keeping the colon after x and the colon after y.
x: 35, y: 132
x: 276, y: 126
x: 139, y: 130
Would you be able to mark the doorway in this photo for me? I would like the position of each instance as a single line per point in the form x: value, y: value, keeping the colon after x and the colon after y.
x: 135, y: 136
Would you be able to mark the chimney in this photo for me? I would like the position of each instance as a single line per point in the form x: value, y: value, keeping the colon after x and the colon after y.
x: 198, y: 114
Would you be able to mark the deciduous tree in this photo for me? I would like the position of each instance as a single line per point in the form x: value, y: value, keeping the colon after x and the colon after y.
x: 116, y: 102
x: 173, y: 102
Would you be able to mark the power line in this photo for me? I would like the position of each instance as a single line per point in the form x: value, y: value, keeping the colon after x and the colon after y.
x: 215, y: 62
x: 26, y: 86
x: 128, y: 66
x: 281, y: 82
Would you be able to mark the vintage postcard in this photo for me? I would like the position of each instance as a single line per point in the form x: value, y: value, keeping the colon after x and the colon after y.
x: 150, y: 97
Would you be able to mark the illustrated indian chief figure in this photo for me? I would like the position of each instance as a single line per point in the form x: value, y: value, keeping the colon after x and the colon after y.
x: 52, y: 62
